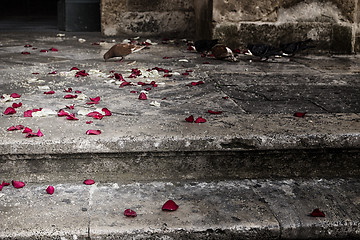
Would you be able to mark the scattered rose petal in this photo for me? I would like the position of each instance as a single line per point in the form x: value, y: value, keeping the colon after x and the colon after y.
x: 200, y: 120
x: 27, y: 130
x: 9, y: 111
x: 96, y: 99
x: 77, y: 91
x: 28, y: 113
x: 142, y: 96
x: 170, y: 205
x: 19, y: 127
x: 12, y: 128
x: 39, y: 134
x: 70, y: 96
x: 167, y: 75
x: 93, y: 132
x: 214, y: 112
x: 119, y: 77
x: 81, y: 73
x: 190, y: 119
x: 299, y: 114
x: 50, y: 190
x: 54, y: 72
x: 148, y: 89
x: 68, y: 90
x: 130, y: 213
x: 49, y: 92
x: 125, y: 83
x: 88, y: 122
x: 189, y: 70
x: 185, y: 74
x: 1, y: 187
x: 35, y: 73
x: 74, y: 68
x: 226, y: 97
x: 5, y: 184
x: 89, y: 182
x: 15, y: 95
x: 17, y: 184
x: 70, y: 107
x: 25, y: 53
x: 106, y: 111
x: 16, y: 105
x: 31, y: 134
x: 53, y: 49
x: 317, y: 213
x: 43, y: 50
x: 71, y: 117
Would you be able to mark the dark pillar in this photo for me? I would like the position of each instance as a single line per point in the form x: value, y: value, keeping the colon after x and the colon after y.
x: 203, y: 18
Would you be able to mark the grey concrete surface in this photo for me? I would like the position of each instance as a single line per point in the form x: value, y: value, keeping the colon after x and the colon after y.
x: 246, y: 209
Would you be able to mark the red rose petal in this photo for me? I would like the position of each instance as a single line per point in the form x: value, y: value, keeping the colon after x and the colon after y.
x: 19, y: 127
x: 170, y: 205
x: 12, y: 128
x: 9, y: 111
x: 74, y: 68
x: 30, y: 135
x: 119, y: 76
x: 299, y: 114
x: 77, y: 91
x: 93, y: 132
x: 25, y: 53
x: 190, y: 119
x: 130, y: 213
x: 28, y: 113
x: 68, y: 90
x: 18, y: 184
x: 81, y: 73
x: 53, y: 49
x: 88, y: 122
x: 39, y: 133
x: 96, y: 99
x: 89, y: 182
x: 125, y: 83
x: 200, y: 120
x: 27, y: 130
x: 15, y: 95
x: 5, y: 184
x: 71, y: 117
x: 185, y: 74
x: 49, y: 92
x: 214, y: 112
x: 1, y: 187
x: 317, y: 213
x: 16, y: 105
x: 43, y: 50
x: 54, y: 72
x: 106, y: 111
x: 142, y: 96
x: 95, y: 115
x: 50, y: 190
x: 69, y: 96
x: 92, y: 103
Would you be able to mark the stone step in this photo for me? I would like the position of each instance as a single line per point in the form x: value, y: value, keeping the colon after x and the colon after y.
x: 241, y: 209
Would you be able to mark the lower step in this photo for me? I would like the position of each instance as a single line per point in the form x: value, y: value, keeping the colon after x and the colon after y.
x: 246, y: 209
x: 178, y: 165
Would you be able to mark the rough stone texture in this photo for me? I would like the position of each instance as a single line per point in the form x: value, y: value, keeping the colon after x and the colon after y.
x: 332, y: 24
x: 148, y: 18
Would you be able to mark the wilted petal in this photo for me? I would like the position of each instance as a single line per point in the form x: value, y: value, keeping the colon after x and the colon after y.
x: 130, y: 213
x: 49, y: 92
x: 214, y: 112
x: 15, y: 95
x: 170, y: 205
x: 17, y: 184
x: 9, y: 111
x: 299, y: 114
x: 89, y: 182
x: 16, y: 105
x: 317, y: 213
x: 93, y: 132
x: 200, y: 120
x: 50, y: 190
x: 190, y: 119
x: 142, y: 96
x: 39, y: 133
x: 106, y: 111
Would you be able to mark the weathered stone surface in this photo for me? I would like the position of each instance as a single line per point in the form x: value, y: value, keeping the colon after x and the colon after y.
x: 159, y: 5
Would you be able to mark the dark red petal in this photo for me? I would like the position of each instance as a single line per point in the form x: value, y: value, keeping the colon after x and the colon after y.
x: 74, y: 68
x: 130, y: 213
x: 299, y: 114
x: 185, y: 73
x: 189, y: 70
x: 28, y: 113
x: 5, y: 183
x: 88, y: 122
x: 214, y: 112
x: 71, y: 117
x: 49, y: 92
x: 89, y: 182
x: 70, y: 96
x: 70, y: 107
x: 167, y: 75
x: 16, y: 105
x: 148, y: 89
x: 125, y: 83
x: 77, y: 91
x: 170, y: 205
x: 317, y: 213
x: 15, y: 95
x: 190, y: 119
x: 17, y: 184
x: 27, y: 130
x: 93, y: 132
x: 54, y: 72
x: 9, y: 111
x: 68, y: 90
x: 36, y: 110
x: 19, y: 127
x: 43, y: 50
x: 35, y: 73
x: 200, y: 120
x: 1, y: 187
x: 50, y: 190
x: 81, y: 73
x: 25, y: 53
x: 30, y: 135
x: 92, y: 103
x: 142, y: 96
x: 107, y: 111
x: 96, y: 99
x: 53, y: 49
x: 119, y: 76
x: 226, y: 97
x: 12, y: 128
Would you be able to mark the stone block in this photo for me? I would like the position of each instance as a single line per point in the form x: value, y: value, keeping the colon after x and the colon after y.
x: 159, y: 5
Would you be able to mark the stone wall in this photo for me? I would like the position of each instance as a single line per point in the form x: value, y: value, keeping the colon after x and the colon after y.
x: 332, y: 24
x: 168, y: 18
